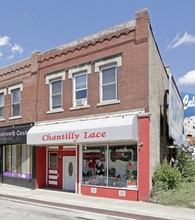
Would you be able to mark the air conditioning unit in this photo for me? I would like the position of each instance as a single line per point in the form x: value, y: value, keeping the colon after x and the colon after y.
x: 80, y: 102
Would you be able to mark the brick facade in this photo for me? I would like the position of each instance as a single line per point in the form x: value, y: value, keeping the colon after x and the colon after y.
x: 141, y: 80
x: 130, y: 41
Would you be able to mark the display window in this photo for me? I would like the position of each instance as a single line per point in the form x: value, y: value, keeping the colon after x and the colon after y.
x: 110, y: 165
x: 18, y: 161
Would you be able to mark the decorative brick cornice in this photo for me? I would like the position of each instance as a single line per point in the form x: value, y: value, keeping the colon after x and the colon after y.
x: 14, y: 68
x: 85, y: 43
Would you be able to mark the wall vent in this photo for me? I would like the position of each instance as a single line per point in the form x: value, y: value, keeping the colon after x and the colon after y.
x: 93, y: 190
x: 122, y: 193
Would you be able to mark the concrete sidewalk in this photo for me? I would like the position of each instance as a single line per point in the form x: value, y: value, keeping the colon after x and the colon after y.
x: 127, y: 209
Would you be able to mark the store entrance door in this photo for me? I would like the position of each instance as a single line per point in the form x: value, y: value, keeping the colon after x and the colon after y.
x: 69, y: 173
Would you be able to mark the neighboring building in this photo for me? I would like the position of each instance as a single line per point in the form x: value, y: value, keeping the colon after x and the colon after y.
x: 189, y: 121
x: 87, y: 117
x: 189, y: 116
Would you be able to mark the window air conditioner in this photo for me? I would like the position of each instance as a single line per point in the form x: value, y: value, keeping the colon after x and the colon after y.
x: 80, y: 102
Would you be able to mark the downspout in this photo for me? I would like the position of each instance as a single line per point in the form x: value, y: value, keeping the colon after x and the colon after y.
x: 164, y: 142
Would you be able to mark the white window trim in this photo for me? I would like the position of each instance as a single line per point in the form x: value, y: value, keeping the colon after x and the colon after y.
x: 3, y: 91
x: 58, y: 110
x: 100, y: 87
x: 19, y: 86
x: 109, y: 102
x: 55, y: 110
x: 78, y: 69
x: 10, y: 89
x: 79, y: 107
x: 55, y: 75
x: 52, y: 77
x: 74, y: 98
x: 117, y: 60
x: 15, y: 117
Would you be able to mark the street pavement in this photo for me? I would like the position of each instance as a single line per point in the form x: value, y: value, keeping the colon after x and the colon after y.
x: 137, y: 210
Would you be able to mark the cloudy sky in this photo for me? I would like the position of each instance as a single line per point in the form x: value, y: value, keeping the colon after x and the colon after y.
x: 26, y: 26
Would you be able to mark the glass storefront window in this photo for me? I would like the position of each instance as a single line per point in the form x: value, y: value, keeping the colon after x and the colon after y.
x: 110, y: 165
x: 18, y: 161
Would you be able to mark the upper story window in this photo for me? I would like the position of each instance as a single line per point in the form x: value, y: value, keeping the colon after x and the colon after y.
x: 55, y: 82
x: 80, y: 91
x: 108, y: 69
x: 1, y: 105
x: 16, y: 99
x: 55, y: 94
x: 2, y: 102
x: 108, y: 83
x: 15, y: 92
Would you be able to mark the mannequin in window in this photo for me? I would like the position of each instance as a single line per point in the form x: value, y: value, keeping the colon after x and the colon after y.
x: 99, y: 168
x: 86, y: 168
x: 91, y: 167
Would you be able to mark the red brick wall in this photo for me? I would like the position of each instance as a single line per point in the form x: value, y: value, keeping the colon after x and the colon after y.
x: 28, y: 99
x: 132, y: 75
x: 144, y: 159
x: 132, y: 43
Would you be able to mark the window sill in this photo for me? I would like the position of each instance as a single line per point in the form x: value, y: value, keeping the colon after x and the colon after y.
x: 2, y: 119
x: 79, y: 107
x: 15, y: 117
x: 109, y: 103
x: 55, y: 111
x: 111, y: 187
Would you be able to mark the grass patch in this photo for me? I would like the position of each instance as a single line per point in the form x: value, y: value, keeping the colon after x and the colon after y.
x: 183, y: 196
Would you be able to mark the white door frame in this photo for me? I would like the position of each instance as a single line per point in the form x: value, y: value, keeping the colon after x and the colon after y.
x: 74, y: 172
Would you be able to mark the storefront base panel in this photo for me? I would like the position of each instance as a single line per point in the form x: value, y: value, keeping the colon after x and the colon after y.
x: 110, y: 193
x: 20, y: 182
x: 40, y: 167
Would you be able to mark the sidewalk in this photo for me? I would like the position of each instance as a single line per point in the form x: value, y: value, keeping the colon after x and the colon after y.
x: 129, y: 209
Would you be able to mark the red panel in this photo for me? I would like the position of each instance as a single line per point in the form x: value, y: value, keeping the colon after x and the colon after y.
x: 60, y: 154
x: 77, y: 173
x: 144, y: 187
x: 69, y: 153
x: 110, y: 193
x: 40, y: 167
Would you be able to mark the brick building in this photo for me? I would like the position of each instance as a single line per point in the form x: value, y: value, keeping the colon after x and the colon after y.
x: 87, y: 116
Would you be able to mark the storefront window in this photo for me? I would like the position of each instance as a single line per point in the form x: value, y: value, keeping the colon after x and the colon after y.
x: 18, y: 161
x: 111, y: 165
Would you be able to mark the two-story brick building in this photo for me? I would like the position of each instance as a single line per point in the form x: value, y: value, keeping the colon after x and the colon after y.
x: 87, y: 116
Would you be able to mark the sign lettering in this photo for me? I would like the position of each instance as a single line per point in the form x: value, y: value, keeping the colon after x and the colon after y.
x: 14, y: 135
x: 73, y: 136
x: 188, y: 103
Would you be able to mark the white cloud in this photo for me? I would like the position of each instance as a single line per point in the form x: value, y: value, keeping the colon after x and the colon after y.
x: 4, y: 41
x: 17, y: 48
x: 185, y: 39
x: 187, y: 79
x: 10, y: 57
x: 9, y: 50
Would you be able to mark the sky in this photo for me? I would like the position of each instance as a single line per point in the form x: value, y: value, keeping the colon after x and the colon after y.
x: 30, y: 25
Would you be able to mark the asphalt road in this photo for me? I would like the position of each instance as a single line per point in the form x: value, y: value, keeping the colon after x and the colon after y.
x: 17, y: 210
